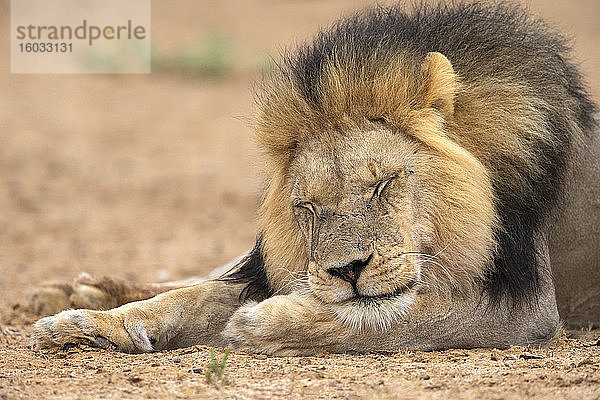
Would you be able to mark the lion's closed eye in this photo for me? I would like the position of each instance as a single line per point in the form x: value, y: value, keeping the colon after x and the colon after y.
x: 305, y: 213
x: 380, y: 187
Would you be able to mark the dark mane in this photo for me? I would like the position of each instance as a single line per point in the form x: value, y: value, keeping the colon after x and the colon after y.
x: 251, y: 271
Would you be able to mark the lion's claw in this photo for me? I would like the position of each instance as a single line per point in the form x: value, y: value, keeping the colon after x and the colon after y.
x: 104, y: 343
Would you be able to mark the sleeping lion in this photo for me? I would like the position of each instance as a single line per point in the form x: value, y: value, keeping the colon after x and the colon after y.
x: 433, y: 183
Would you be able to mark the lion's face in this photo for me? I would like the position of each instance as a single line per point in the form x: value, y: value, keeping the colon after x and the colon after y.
x: 358, y: 201
x: 383, y: 215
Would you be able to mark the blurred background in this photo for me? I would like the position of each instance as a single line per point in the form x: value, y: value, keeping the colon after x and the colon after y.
x: 156, y: 177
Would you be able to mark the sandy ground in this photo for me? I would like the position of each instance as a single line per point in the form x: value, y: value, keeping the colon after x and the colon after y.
x: 156, y: 177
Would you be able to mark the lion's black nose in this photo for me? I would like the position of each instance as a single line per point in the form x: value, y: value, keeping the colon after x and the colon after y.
x: 350, y: 272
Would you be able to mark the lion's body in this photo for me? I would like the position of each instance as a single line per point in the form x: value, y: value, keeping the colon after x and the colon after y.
x: 574, y: 242
x: 416, y: 164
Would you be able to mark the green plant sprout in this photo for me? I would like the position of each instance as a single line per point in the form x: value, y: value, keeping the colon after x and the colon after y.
x: 215, y: 369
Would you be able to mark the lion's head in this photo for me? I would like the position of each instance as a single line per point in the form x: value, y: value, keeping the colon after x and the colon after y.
x: 369, y: 200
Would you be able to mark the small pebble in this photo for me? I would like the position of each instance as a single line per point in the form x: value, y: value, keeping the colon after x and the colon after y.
x: 126, y: 369
x: 424, y: 377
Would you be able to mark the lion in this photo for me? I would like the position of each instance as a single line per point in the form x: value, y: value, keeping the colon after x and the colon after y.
x: 429, y: 171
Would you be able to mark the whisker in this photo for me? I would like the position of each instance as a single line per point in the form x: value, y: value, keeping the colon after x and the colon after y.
x: 425, y: 258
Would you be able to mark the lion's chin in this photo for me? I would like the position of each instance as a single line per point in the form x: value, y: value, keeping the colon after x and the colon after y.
x: 374, y: 313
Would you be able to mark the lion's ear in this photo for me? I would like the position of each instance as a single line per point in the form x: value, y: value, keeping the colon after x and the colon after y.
x: 440, y: 84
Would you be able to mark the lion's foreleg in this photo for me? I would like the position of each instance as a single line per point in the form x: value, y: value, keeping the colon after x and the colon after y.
x: 295, y: 325
x: 177, y: 318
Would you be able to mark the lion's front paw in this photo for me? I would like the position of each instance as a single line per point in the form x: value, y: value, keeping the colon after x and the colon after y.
x: 66, y: 328
x: 277, y: 326
x: 118, y: 330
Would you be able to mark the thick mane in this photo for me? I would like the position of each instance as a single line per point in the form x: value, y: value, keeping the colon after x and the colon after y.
x: 520, y: 109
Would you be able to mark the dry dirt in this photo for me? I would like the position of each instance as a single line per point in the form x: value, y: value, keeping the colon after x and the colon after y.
x: 156, y: 177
